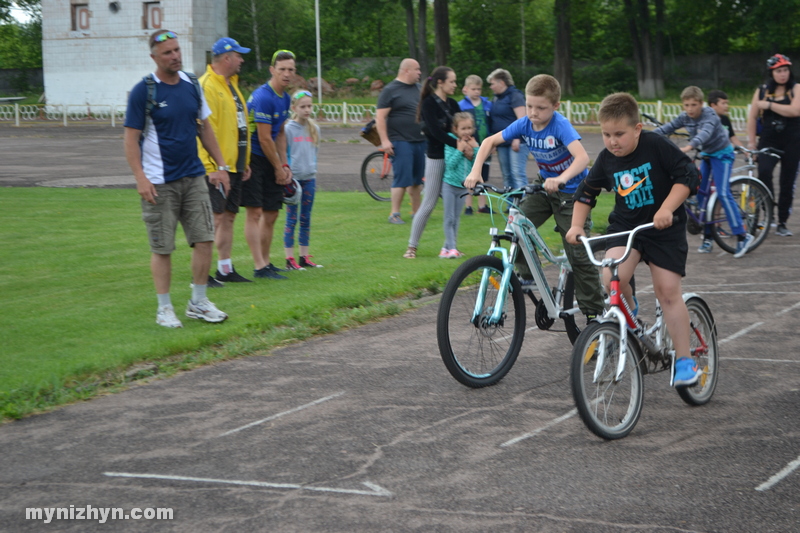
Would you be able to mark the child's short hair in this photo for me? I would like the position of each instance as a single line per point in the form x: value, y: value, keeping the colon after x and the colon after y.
x: 462, y: 116
x: 546, y: 86
x: 716, y: 95
x: 473, y: 79
x: 619, y: 106
x: 692, y: 92
x: 502, y: 75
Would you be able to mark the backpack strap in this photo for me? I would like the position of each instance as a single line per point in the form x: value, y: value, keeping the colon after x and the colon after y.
x: 151, y: 102
x: 150, y: 81
x: 196, y: 84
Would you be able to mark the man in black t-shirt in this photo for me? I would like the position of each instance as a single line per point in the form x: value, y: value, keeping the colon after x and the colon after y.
x: 651, y: 178
x: 718, y: 101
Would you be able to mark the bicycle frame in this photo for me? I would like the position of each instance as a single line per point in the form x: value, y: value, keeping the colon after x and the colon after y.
x: 652, y: 338
x: 519, y: 229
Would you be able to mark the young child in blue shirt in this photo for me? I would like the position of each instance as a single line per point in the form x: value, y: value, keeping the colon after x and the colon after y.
x: 480, y: 108
x: 562, y: 160
x: 709, y: 135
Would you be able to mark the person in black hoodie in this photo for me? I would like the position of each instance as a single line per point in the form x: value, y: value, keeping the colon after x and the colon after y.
x: 435, y: 113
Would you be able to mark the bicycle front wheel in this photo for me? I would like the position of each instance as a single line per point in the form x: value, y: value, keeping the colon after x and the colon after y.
x: 608, y: 406
x: 703, y: 346
x: 476, y: 350
x: 377, y: 176
x: 755, y: 207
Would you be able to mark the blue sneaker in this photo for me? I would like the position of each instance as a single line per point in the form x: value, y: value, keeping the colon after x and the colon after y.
x: 743, y: 246
x: 686, y: 372
x: 705, y: 248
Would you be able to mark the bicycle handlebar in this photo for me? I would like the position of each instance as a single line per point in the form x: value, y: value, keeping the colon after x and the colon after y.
x: 481, y: 188
x: 609, y: 262
x: 773, y: 152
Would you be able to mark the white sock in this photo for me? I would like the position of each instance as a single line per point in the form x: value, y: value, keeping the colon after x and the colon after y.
x: 198, y: 292
x: 164, y: 299
x: 225, y: 266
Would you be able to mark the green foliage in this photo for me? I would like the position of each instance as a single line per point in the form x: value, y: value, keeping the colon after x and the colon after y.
x: 21, y: 46
x: 595, y: 81
x: 487, y: 34
x: 83, y: 320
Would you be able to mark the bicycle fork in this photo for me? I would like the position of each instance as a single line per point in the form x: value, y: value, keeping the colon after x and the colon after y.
x: 486, y: 279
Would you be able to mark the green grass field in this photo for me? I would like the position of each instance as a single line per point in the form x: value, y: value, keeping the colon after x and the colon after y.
x: 79, y: 303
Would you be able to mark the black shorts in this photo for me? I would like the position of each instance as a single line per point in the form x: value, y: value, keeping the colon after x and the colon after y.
x: 666, y: 249
x: 234, y: 196
x: 261, y: 190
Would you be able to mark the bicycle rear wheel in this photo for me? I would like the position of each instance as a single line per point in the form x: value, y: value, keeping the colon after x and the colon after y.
x: 703, y: 345
x: 377, y: 176
x: 755, y: 207
x: 610, y: 408
x: 476, y: 352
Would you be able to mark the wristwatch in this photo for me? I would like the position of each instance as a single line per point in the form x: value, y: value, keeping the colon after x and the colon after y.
x: 226, y: 168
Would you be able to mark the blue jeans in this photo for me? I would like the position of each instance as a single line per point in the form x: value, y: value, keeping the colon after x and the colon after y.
x: 513, y: 165
x: 719, y: 170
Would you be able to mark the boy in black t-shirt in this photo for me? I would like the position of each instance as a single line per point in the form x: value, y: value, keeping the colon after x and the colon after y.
x: 651, y: 178
x: 718, y: 101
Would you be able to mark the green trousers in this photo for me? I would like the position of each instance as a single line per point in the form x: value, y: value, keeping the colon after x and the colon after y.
x: 588, y: 288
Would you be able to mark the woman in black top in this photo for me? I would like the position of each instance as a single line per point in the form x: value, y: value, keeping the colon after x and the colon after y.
x: 435, y: 113
x: 780, y: 120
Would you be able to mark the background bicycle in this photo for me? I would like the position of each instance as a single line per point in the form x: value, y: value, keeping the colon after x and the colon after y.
x: 751, y: 196
x: 481, y: 321
x: 377, y: 176
x: 376, y: 170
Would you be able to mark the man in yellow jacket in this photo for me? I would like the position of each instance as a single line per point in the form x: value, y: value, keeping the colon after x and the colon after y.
x: 228, y: 119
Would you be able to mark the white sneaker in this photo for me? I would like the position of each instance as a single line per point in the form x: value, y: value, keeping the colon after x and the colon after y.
x: 166, y: 317
x: 205, y: 310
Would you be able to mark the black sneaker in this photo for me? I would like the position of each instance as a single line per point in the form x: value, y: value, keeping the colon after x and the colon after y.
x: 590, y: 317
x: 233, y: 277
x: 214, y: 284
x: 276, y: 269
x: 266, y: 272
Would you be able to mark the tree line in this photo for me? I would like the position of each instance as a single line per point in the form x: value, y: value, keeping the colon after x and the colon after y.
x: 591, y: 46
x: 627, y: 41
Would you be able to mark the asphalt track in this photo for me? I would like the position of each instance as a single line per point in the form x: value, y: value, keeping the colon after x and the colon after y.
x: 366, y: 431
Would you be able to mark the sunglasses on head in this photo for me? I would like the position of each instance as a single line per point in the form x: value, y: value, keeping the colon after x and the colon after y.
x: 161, y: 37
x: 285, y: 54
x: 299, y: 94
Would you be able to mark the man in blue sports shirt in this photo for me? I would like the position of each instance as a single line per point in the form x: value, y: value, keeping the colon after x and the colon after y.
x: 169, y: 175
x: 262, y: 194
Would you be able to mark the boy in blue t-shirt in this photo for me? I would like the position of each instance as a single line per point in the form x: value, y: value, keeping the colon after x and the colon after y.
x: 562, y: 160
x: 480, y: 108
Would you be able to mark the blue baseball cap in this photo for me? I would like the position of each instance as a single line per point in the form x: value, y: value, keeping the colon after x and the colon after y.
x: 226, y: 44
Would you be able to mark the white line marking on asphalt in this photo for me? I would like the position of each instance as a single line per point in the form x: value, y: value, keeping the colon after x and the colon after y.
x: 537, y: 431
x: 795, y: 306
x: 741, y: 332
x: 779, y: 476
x: 759, y: 360
x: 759, y: 283
x: 290, y: 411
x: 374, y: 490
x: 749, y: 292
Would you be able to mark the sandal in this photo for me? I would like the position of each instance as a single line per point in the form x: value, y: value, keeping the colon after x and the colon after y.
x: 411, y: 253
